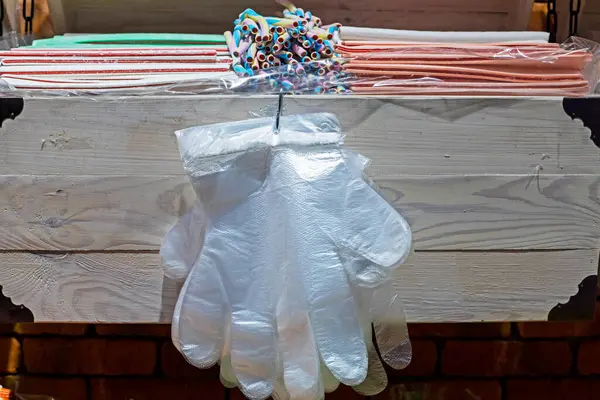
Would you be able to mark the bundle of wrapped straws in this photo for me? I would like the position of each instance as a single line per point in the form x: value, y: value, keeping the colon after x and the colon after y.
x: 293, y: 53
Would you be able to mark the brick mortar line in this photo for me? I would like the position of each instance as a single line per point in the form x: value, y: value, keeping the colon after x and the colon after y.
x: 503, y: 394
x: 89, y: 391
x: 575, y: 345
x: 413, y: 379
x: 525, y: 340
x: 114, y: 338
x: 514, y: 331
x: 440, y: 343
x: 158, y: 369
x: 420, y: 338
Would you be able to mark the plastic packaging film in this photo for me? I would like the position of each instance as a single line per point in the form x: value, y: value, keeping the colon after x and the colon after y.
x: 293, y: 267
x: 298, y: 53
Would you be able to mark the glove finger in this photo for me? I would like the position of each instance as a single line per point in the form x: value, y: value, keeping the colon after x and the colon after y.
x: 366, y: 223
x: 297, y: 344
x: 333, y: 313
x: 374, y: 230
x: 383, y: 306
x: 280, y: 392
x: 363, y: 272
x: 200, y: 316
x: 226, y: 373
x: 253, y: 355
x: 330, y: 383
x: 376, y: 380
x: 244, y: 253
x: 391, y: 331
x: 181, y: 246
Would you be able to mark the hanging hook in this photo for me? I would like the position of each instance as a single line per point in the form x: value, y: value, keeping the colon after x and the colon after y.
x: 279, y: 108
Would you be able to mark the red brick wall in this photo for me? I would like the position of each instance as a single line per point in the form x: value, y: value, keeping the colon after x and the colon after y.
x: 451, y: 361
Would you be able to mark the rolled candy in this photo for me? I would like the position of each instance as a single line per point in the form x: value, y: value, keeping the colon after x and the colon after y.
x: 231, y: 44
x: 251, y: 54
x: 249, y: 26
x: 237, y: 35
x: 244, y: 46
x: 261, y: 56
x: 300, y: 51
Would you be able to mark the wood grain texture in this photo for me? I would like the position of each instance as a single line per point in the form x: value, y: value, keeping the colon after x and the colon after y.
x: 100, y: 16
x: 445, y: 212
x: 13, y: 15
x: 435, y: 286
x: 519, y: 15
x: 99, y: 287
x: 499, y: 212
x: 563, y: 12
x: 57, y: 12
x: 416, y: 136
x: 589, y: 24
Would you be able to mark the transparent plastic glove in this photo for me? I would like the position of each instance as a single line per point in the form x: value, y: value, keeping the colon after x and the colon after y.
x: 233, y: 284
x: 335, y: 211
x: 215, y: 287
x: 231, y: 292
x: 392, y: 321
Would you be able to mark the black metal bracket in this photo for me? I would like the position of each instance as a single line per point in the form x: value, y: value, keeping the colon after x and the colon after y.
x: 279, y: 109
x: 10, y: 108
x: 28, y: 16
x: 552, y: 20
x: 574, y: 11
x: 12, y: 313
x: 587, y: 109
x: 580, y: 306
x: 2, y: 17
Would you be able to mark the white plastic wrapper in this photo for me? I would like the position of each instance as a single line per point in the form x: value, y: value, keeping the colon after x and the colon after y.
x: 288, y: 256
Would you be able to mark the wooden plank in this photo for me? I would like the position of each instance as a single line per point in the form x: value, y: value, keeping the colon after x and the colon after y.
x: 563, y: 12
x: 420, y: 20
x: 499, y: 212
x: 435, y: 286
x: 519, y: 15
x: 445, y: 212
x: 217, y: 16
x: 590, y: 6
x: 218, y: 20
x: 267, y: 6
x: 589, y: 25
x: 90, y: 213
x: 101, y: 287
x: 417, y: 136
x: 12, y: 13
x: 57, y: 13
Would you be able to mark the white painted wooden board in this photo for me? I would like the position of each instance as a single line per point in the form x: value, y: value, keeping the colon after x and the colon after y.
x: 435, y: 286
x: 210, y: 16
x: 502, y: 195
x: 403, y: 136
x: 446, y: 212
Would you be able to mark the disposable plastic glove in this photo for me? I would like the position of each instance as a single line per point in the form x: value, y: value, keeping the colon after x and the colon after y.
x: 333, y: 211
x: 252, y: 331
x: 181, y: 243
